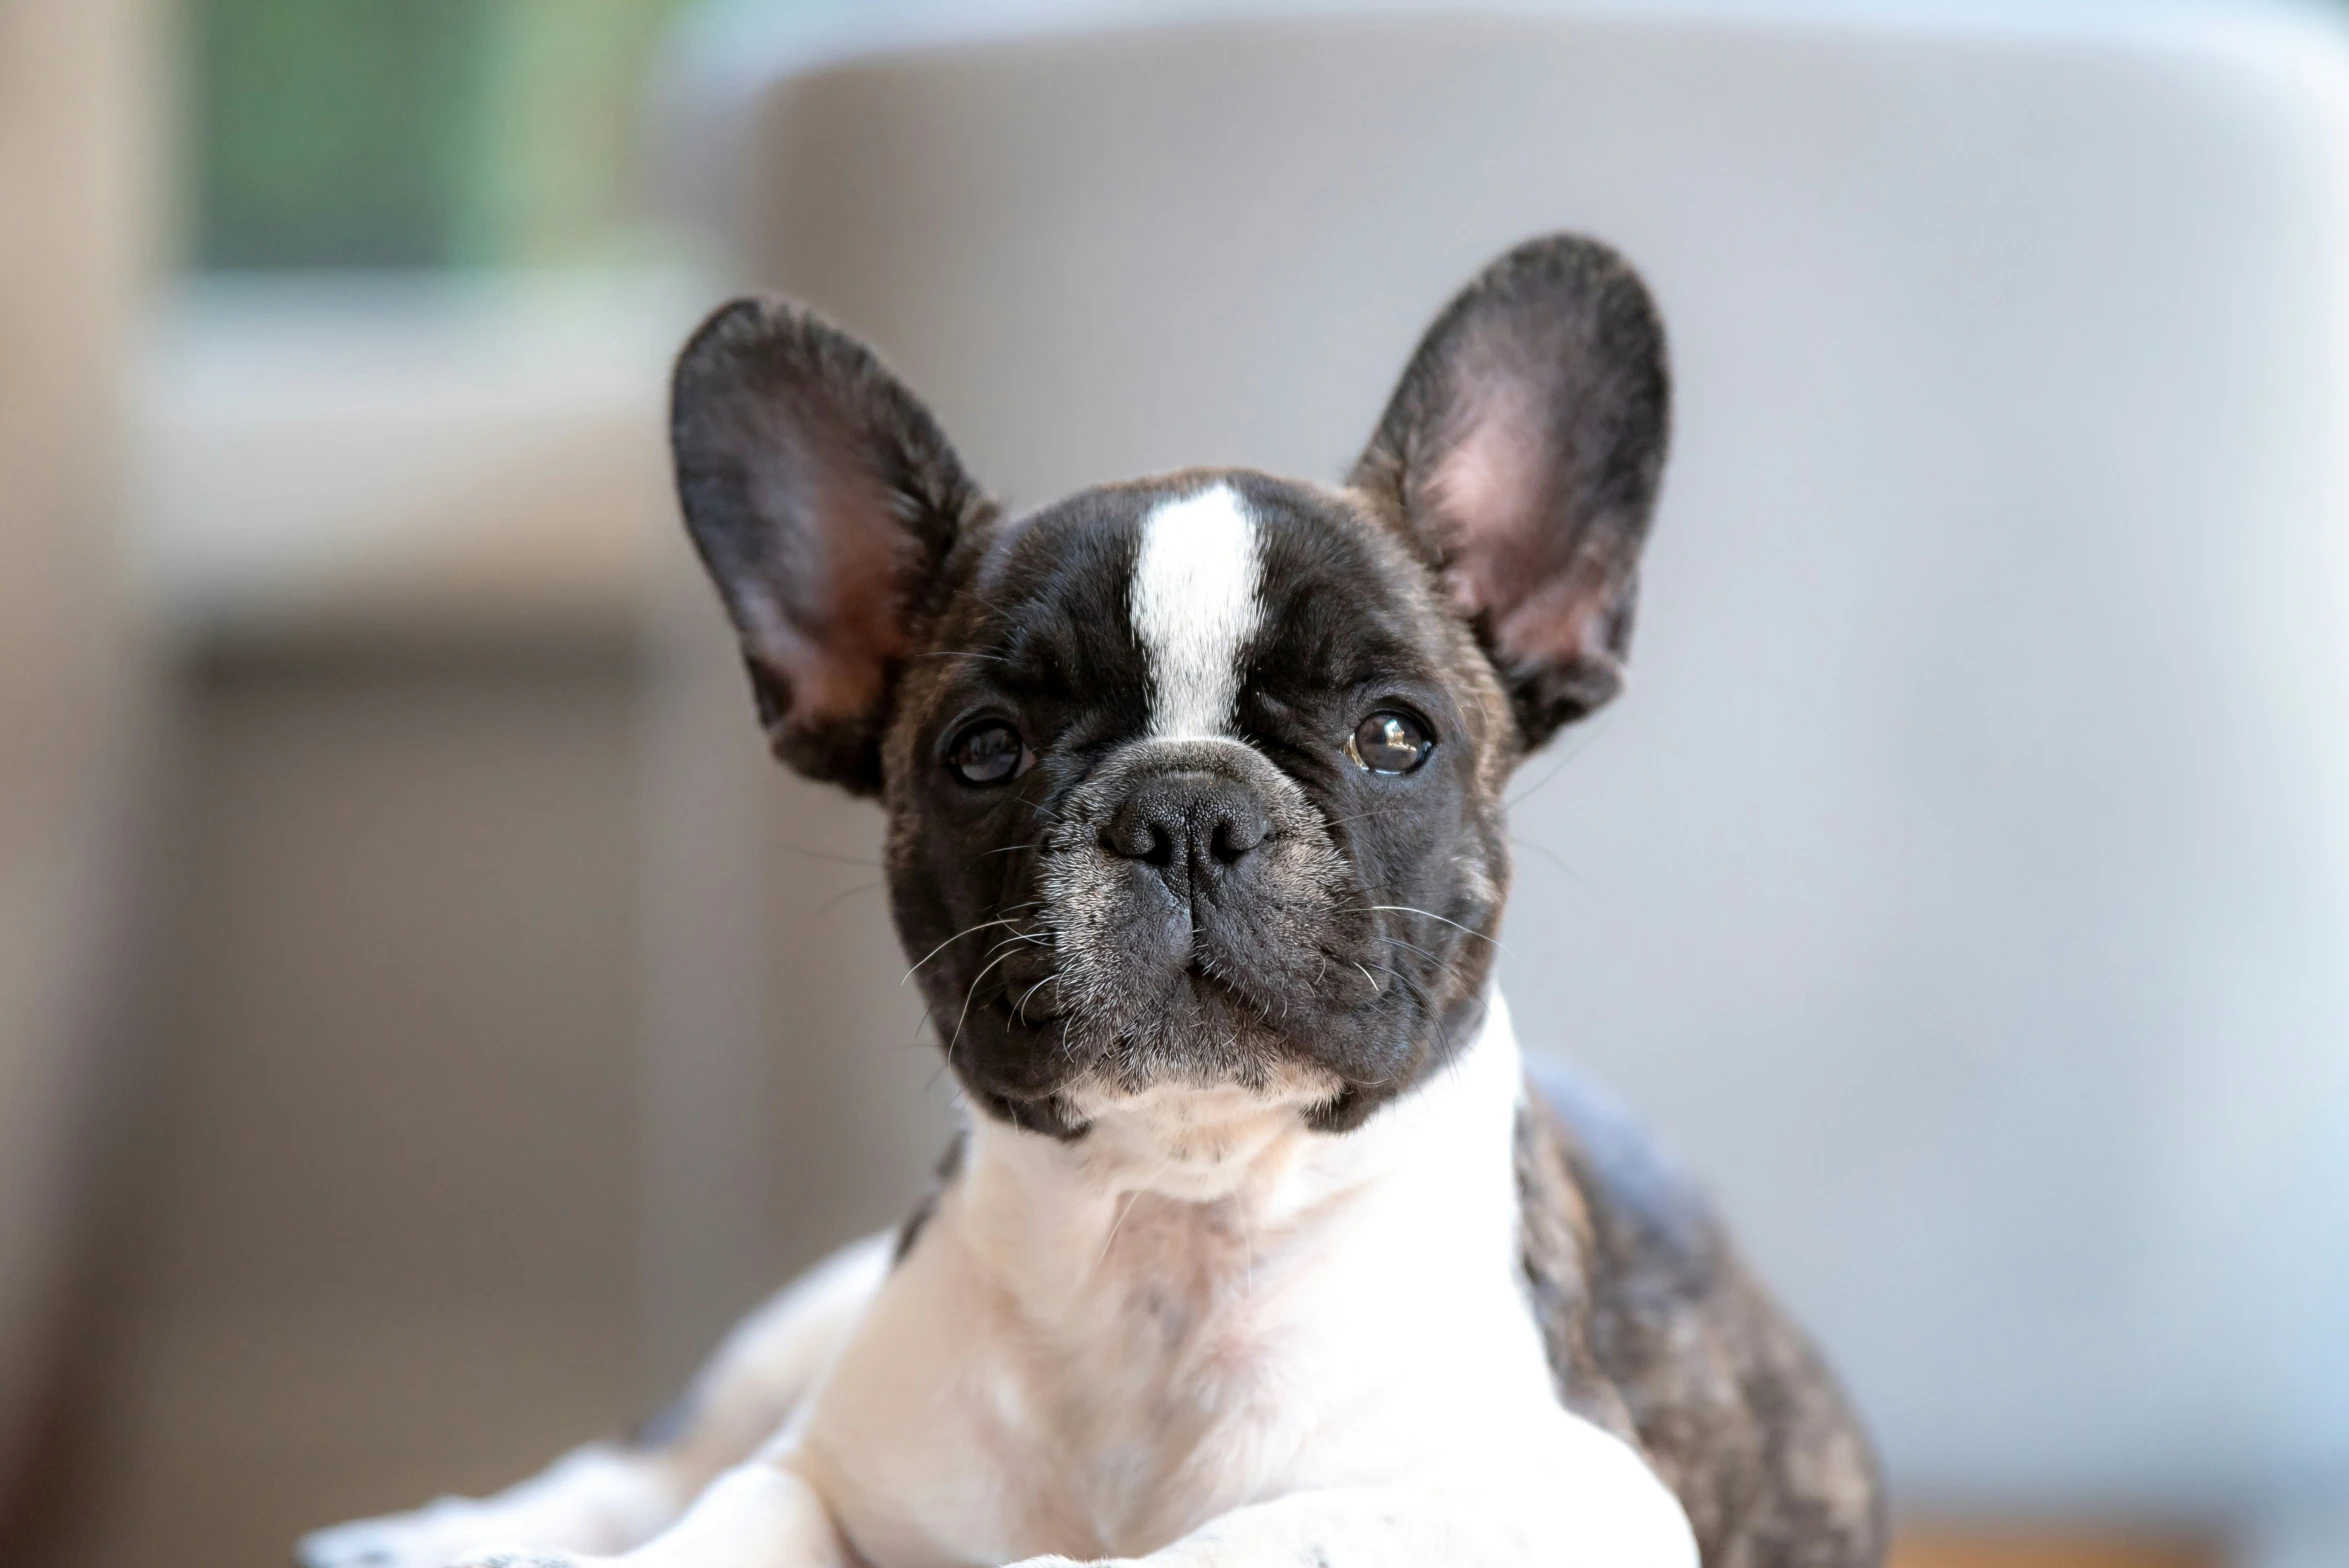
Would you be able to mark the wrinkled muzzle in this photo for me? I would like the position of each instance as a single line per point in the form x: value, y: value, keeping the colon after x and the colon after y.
x: 1201, y: 919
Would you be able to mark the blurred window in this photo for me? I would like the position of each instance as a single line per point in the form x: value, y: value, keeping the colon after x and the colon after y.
x: 405, y: 134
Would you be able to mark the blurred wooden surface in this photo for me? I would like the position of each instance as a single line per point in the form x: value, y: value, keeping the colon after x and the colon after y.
x: 1942, y: 1546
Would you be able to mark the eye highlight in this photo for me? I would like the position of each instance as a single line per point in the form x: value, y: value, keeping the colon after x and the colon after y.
x: 989, y: 752
x: 1389, y: 742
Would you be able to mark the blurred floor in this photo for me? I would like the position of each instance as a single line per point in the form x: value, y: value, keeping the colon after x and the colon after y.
x: 375, y: 1237
x: 2023, y: 1547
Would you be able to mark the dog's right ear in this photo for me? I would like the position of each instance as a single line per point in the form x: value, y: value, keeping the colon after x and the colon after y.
x: 1522, y: 448
x: 823, y: 498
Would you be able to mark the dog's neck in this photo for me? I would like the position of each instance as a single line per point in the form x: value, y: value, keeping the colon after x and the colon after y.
x: 1172, y: 1170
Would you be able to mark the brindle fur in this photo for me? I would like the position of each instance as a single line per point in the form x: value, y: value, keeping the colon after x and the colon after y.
x: 1658, y: 1332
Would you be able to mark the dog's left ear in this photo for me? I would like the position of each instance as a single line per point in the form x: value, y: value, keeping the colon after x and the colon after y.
x: 824, y: 499
x: 1522, y: 448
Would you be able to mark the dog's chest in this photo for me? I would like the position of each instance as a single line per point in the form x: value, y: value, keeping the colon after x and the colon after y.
x: 1164, y: 1385
x: 1156, y: 1390
x: 1092, y: 1352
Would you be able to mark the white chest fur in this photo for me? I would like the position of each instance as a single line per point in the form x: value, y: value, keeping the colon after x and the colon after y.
x: 1096, y: 1348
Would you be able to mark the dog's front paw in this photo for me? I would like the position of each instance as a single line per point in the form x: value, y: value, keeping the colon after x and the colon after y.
x: 427, y: 1538
x: 521, y: 1557
x: 447, y: 1534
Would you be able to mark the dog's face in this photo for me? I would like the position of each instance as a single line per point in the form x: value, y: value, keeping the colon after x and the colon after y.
x: 1198, y: 779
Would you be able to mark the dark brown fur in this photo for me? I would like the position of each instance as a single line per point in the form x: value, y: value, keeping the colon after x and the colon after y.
x: 1658, y: 1332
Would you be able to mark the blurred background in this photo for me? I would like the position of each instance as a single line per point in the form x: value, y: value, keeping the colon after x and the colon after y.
x: 426, y: 1019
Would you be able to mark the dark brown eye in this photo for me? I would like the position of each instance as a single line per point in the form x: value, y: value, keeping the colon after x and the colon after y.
x: 1389, y: 743
x: 987, y: 753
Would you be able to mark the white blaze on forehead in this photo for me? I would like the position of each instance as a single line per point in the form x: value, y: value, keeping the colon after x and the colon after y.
x: 1195, y: 605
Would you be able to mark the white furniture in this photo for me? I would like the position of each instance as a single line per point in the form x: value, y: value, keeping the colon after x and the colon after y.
x: 1963, y: 884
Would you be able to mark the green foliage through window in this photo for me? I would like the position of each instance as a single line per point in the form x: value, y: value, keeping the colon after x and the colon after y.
x: 418, y: 133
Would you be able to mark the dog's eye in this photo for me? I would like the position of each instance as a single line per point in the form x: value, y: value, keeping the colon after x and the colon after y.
x: 1389, y: 743
x: 987, y: 753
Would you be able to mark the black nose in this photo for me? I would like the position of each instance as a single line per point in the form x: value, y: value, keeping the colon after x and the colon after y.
x: 1189, y: 824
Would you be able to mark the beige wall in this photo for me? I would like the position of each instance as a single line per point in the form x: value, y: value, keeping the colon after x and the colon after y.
x: 75, y: 166
x: 74, y: 213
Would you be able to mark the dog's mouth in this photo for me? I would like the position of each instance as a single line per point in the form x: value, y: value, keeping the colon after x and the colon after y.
x: 1064, y: 1020
x: 1039, y: 1002
x: 1035, y: 1005
x: 1031, y: 1029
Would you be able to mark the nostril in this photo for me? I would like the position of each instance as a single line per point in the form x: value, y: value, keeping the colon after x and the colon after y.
x: 1235, y: 835
x: 1137, y: 835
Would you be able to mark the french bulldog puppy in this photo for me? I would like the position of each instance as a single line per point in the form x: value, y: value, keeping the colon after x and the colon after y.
x: 1259, y: 1249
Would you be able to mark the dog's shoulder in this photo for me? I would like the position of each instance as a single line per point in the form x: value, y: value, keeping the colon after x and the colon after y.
x: 1657, y: 1331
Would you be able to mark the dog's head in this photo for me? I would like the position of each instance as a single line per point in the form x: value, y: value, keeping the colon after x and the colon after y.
x: 1195, y: 779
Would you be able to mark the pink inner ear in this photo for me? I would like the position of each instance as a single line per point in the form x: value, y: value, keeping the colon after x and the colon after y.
x: 1562, y: 623
x: 1509, y: 545
x: 855, y: 629
x: 827, y: 685
x: 1489, y: 490
x: 834, y: 624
